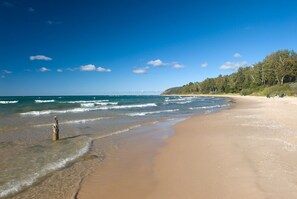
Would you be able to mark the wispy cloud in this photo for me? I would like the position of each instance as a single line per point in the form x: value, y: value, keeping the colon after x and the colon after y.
x: 30, y: 9
x: 3, y: 73
x: 237, y: 55
x: 7, y: 4
x: 203, y: 65
x: 177, y: 65
x: 140, y: 70
x: 50, y: 22
x: 6, y: 72
x: 156, y: 63
x: 44, y: 69
x: 59, y: 70
x: 72, y: 69
x: 40, y: 57
x: 233, y: 65
x: 91, y: 67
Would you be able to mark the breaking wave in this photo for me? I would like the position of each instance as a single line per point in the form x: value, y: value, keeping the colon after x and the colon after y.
x: 9, y: 102
x: 85, y: 109
x: 44, y: 101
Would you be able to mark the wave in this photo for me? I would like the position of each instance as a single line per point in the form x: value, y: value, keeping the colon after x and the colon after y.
x: 209, y: 107
x: 86, y: 109
x: 83, y: 101
x: 129, y: 106
x: 185, y: 102
x: 9, y: 102
x: 92, y: 104
x: 82, y: 121
x: 118, y: 132
x: 87, y: 105
x: 179, y: 100
x: 44, y: 101
x: 151, y: 112
x: 47, y: 112
x: 106, y: 103
x: 15, y: 186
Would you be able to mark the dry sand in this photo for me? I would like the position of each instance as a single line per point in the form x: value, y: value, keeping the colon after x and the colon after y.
x: 248, y: 151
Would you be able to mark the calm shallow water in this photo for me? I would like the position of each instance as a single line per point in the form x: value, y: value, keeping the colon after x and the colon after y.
x: 28, y: 156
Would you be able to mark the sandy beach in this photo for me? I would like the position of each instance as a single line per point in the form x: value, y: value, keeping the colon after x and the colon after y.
x: 247, y: 151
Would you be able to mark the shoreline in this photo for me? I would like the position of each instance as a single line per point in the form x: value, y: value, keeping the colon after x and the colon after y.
x: 244, y: 154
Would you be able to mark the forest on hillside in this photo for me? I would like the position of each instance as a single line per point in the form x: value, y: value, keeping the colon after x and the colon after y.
x: 275, y: 75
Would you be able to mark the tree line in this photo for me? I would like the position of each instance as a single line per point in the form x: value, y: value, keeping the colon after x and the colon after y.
x: 276, y: 72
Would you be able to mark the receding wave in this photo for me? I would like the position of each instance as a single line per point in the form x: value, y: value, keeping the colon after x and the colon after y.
x: 9, y: 102
x: 85, y: 109
x: 151, y: 112
x: 118, y: 132
x: 29, y: 176
x: 44, y: 101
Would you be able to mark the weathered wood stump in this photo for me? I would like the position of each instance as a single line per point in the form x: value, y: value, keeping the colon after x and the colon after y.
x: 55, y: 135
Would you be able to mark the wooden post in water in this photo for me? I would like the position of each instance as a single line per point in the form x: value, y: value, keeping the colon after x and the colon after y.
x: 55, y: 135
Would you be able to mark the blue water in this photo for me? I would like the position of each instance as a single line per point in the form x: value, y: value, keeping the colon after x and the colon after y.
x: 25, y: 128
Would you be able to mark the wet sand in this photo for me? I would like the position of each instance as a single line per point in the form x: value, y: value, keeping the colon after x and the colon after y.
x: 248, y: 151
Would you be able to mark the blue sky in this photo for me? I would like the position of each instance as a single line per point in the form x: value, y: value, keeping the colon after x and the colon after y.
x: 61, y: 47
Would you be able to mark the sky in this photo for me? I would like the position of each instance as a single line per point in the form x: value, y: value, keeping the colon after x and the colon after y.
x: 113, y: 47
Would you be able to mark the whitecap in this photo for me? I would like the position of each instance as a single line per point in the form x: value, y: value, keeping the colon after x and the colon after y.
x: 9, y: 102
x: 44, y: 101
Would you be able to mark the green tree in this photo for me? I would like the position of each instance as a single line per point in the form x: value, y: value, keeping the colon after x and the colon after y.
x: 283, y: 63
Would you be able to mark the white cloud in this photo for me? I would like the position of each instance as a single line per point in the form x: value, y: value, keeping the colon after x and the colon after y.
x: 177, y: 65
x: 140, y: 70
x: 40, y: 57
x: 232, y: 65
x: 205, y: 64
x: 100, y: 69
x: 156, y: 63
x: 237, y: 55
x: 91, y: 67
x: 59, y: 70
x: 44, y: 69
